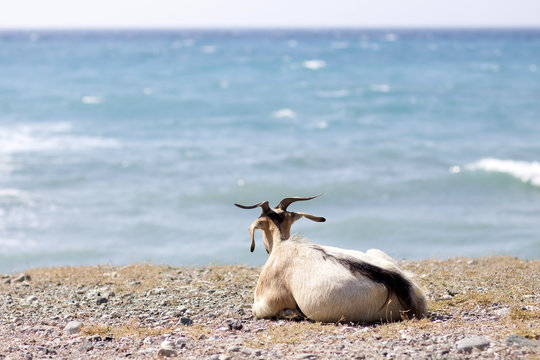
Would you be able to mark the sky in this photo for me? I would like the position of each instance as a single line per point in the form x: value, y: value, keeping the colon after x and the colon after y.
x: 37, y: 14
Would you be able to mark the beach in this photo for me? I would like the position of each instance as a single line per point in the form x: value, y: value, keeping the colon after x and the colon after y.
x: 484, y: 307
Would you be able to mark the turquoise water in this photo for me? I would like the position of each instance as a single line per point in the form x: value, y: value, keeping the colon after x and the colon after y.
x: 119, y: 147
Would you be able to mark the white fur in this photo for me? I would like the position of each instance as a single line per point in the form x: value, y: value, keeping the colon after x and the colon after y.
x: 325, y: 290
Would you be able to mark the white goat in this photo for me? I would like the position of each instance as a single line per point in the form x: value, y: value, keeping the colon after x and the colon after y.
x: 325, y: 283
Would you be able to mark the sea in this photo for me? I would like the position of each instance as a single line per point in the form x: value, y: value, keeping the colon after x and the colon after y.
x: 132, y: 146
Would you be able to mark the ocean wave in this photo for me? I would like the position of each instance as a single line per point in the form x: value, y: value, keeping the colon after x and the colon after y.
x: 8, y: 195
x: 48, y: 137
x: 91, y: 100
x: 209, y: 49
x: 284, y: 114
x: 383, y: 88
x: 527, y: 172
x: 18, y: 244
x: 314, y: 64
x: 391, y: 37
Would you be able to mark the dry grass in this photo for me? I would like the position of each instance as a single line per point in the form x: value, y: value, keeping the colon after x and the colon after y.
x: 127, y: 330
x: 463, y: 294
x: 148, y: 276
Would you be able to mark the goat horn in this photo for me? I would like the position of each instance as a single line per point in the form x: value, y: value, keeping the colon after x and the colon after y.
x: 263, y: 204
x: 288, y: 201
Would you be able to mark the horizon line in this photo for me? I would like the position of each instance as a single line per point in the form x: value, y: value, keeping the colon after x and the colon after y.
x: 276, y: 27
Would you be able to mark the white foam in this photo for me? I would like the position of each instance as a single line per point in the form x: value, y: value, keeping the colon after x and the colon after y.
x: 209, y: 49
x: 284, y: 114
x: 454, y: 169
x: 365, y: 45
x: 12, y: 193
x: 91, y: 100
x: 390, y: 37
x: 314, y: 64
x: 18, y: 243
x: 384, y: 88
x: 48, y: 137
x: 528, y: 172
x: 15, y: 194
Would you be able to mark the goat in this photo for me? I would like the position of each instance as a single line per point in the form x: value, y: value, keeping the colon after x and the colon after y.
x: 325, y: 283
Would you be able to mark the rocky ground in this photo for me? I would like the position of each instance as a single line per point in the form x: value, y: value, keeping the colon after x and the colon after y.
x: 479, y: 308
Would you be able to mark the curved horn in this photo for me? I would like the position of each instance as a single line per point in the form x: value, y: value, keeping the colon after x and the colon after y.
x: 264, y: 205
x: 283, y: 204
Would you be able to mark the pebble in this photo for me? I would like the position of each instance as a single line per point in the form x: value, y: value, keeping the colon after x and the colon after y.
x: 521, y: 341
x: 167, y: 349
x: 234, y: 348
x: 502, y: 312
x: 234, y: 324
x: 251, y: 352
x: 31, y: 299
x: 22, y: 277
x: 167, y: 352
x: 182, y: 309
x: 306, y: 356
x: 73, y: 327
x: 186, y: 321
x: 468, y: 344
x: 101, y: 300
x: 86, y: 346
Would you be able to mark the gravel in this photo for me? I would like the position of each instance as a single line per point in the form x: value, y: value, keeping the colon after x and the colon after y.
x: 204, y: 313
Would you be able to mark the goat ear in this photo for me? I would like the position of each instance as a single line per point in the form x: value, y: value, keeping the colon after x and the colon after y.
x: 252, y: 235
x: 311, y: 217
x: 256, y: 225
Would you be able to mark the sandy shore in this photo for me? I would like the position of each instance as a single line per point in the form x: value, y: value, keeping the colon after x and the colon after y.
x: 482, y: 308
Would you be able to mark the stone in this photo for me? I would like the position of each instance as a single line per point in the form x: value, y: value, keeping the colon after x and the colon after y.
x: 101, y: 300
x: 167, y: 349
x: 31, y: 299
x: 73, y: 327
x: 167, y: 352
x: 167, y: 344
x: 306, y: 356
x: 86, y: 346
x: 7, y: 281
x: 521, y: 341
x: 502, y: 311
x: 234, y: 348
x: 251, y: 352
x: 22, y: 277
x: 234, y: 324
x: 186, y: 321
x: 468, y: 344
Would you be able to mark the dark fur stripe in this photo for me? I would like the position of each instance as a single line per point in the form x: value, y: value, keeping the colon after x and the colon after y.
x: 394, y: 282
